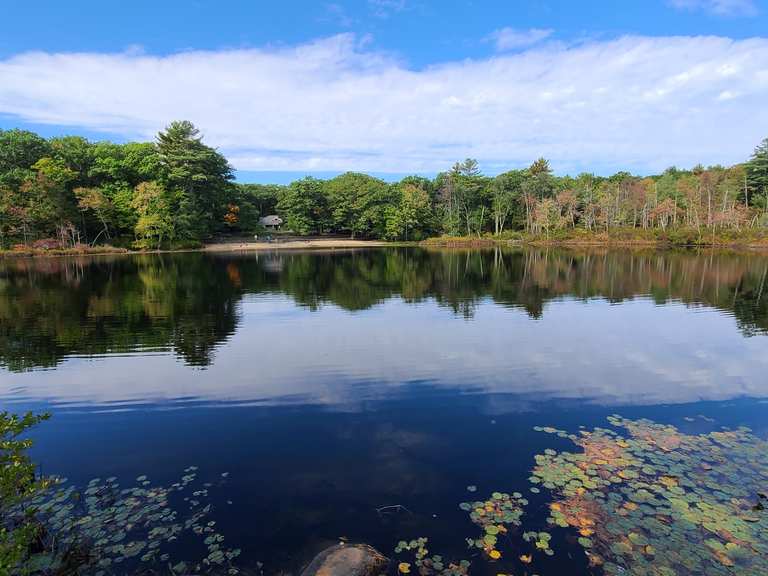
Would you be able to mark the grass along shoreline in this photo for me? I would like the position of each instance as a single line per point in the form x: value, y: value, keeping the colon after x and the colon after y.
x: 749, y: 239
x: 621, y: 237
x: 239, y: 245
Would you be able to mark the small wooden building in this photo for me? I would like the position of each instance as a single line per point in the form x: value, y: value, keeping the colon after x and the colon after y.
x: 271, y: 222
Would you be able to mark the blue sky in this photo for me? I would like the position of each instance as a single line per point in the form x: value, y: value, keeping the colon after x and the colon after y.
x: 399, y: 86
x: 422, y: 32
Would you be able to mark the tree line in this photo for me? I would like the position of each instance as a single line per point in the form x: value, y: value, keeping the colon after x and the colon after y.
x: 177, y: 190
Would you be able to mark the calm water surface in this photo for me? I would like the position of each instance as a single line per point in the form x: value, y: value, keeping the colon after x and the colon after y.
x: 331, y: 385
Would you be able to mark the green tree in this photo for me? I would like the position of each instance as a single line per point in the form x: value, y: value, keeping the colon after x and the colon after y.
x: 44, y: 200
x: 55, y: 170
x: 18, y: 482
x: 506, y: 193
x: 76, y: 153
x: 469, y: 167
x: 14, y: 216
x: 94, y: 201
x: 303, y: 206
x: 471, y: 194
x: 130, y: 163
x: 263, y: 196
x: 120, y: 196
x: 19, y: 150
x: 538, y: 185
x: 757, y: 175
x: 241, y: 204
x: 155, y: 222
x: 198, y: 177
x: 446, y: 207
x: 358, y: 203
x: 412, y: 217
x: 420, y: 182
x: 116, y: 169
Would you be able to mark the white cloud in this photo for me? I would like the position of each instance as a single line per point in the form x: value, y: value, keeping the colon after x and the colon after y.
x: 635, y: 102
x: 511, y: 39
x: 718, y: 7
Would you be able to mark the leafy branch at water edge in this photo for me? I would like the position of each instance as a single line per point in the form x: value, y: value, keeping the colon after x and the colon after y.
x: 18, y: 482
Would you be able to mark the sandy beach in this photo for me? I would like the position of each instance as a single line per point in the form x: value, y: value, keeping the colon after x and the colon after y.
x: 293, y: 244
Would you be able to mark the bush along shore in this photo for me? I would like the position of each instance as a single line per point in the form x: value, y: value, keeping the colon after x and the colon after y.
x: 620, y: 237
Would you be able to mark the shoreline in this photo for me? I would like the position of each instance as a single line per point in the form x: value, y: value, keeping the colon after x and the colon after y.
x: 295, y: 244
x: 747, y: 245
x: 330, y: 244
x: 215, y: 247
x: 591, y: 244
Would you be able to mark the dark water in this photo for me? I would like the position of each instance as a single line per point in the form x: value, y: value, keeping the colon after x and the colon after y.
x: 330, y: 385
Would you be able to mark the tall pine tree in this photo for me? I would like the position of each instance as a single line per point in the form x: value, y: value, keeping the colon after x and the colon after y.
x: 757, y: 175
x: 198, y: 178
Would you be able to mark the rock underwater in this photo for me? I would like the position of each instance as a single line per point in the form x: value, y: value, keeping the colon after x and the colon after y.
x: 347, y: 560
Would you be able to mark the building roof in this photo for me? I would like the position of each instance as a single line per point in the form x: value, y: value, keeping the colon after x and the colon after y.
x: 271, y: 220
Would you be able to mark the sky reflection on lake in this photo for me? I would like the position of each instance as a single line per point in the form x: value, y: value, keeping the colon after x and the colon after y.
x: 633, y: 353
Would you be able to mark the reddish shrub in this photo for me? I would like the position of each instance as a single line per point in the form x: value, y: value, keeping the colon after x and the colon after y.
x: 47, y: 244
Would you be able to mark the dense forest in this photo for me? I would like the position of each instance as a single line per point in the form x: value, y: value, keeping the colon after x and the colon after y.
x: 177, y: 191
x: 51, y: 308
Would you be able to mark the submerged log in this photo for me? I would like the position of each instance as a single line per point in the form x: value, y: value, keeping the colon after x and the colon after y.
x: 347, y: 560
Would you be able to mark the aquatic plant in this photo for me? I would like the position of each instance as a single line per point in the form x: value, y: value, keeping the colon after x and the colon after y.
x: 429, y: 565
x: 660, y: 502
x: 18, y: 482
x: 493, y: 516
x: 652, y: 502
x: 107, y: 529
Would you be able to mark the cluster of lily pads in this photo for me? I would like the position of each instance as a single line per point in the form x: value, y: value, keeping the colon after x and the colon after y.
x: 540, y: 541
x: 428, y: 565
x: 107, y: 529
x: 661, y: 502
x: 493, y: 516
x: 653, y: 501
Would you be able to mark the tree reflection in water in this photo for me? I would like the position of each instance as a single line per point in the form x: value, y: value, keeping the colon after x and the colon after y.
x: 188, y: 303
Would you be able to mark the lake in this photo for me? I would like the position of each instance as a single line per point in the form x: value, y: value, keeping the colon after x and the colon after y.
x: 366, y: 394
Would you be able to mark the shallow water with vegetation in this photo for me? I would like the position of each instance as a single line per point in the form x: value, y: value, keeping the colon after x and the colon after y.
x: 495, y: 411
